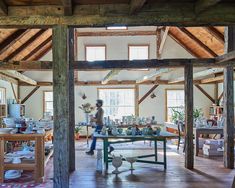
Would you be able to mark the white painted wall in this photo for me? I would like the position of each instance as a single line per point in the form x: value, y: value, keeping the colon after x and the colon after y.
x: 149, y: 107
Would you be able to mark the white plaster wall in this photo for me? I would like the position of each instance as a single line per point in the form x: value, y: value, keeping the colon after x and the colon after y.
x: 7, y: 86
x: 149, y: 107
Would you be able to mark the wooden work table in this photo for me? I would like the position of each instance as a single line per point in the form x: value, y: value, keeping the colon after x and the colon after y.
x: 37, y: 165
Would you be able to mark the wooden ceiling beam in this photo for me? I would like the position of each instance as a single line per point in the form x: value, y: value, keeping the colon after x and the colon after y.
x: 3, y: 7
x: 203, y: 5
x: 8, y: 79
x: 19, y: 76
x: 44, y: 51
x: 25, y: 45
x: 183, y: 44
x: 163, y: 40
x: 109, y: 76
x: 12, y: 39
x: 152, y: 14
x: 157, y: 73
x: 68, y: 8
x: 198, y: 74
x: 116, y: 33
x: 136, y: 5
x: 230, y: 56
x: 34, y: 51
x: 200, y: 43
x: 213, y: 31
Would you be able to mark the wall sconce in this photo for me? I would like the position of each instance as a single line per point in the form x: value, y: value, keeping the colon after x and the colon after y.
x: 152, y: 95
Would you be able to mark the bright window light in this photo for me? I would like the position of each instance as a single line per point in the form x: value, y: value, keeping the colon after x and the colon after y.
x: 116, y: 28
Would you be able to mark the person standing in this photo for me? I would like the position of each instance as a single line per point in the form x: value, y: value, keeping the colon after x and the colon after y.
x: 98, y: 119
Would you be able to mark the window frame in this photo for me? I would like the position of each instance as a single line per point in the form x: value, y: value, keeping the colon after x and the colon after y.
x: 166, y: 104
x: 138, y: 45
x: 44, y: 101
x: 96, y: 45
x: 5, y: 95
x: 135, y: 102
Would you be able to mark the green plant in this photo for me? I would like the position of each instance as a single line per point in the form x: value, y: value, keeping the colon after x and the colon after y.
x: 77, y: 129
x: 197, y: 113
x: 177, y: 115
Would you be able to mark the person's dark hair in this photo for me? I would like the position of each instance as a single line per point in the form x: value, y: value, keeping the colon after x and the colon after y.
x: 99, y: 101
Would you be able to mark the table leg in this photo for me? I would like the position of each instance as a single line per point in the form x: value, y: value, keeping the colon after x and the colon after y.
x: 155, y: 149
x: 2, y: 161
x: 39, y: 159
x: 196, y: 143
x: 164, y: 148
x: 105, y: 145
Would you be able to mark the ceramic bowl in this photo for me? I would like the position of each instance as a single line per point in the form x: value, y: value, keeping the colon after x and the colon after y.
x: 5, y: 130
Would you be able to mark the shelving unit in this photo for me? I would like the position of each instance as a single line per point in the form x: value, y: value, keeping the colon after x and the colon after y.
x: 3, y: 110
x: 216, y: 112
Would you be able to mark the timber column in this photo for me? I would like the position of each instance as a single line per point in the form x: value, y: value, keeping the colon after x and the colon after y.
x: 229, y: 102
x: 63, y: 96
x: 188, y: 89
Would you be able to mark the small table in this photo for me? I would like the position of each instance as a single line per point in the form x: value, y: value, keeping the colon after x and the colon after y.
x: 198, y: 131
x: 129, y: 138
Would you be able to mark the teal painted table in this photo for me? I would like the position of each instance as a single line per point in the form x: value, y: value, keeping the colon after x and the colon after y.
x: 109, y: 139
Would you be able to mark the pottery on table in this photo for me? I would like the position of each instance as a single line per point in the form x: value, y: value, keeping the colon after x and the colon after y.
x: 117, y: 162
x: 12, y: 174
x: 5, y: 130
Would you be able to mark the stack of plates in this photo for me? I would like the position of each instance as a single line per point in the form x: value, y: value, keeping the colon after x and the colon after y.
x: 5, y: 130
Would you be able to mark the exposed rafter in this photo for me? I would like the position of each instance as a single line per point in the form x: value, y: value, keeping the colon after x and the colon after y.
x: 219, y: 36
x: 3, y: 7
x: 25, y: 45
x: 200, y: 43
x: 30, y: 94
x: 68, y: 9
x: 109, y: 76
x: 203, y: 5
x: 136, y: 5
x: 19, y: 76
x: 34, y: 51
x: 183, y: 44
x: 163, y: 40
x: 198, y: 74
x: 157, y: 73
x: 48, y: 47
x: 9, y: 41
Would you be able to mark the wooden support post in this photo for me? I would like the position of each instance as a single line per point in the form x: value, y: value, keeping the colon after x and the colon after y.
x: 228, y: 102
x: 71, y: 101
x: 137, y: 100
x: 30, y: 94
x: 14, y: 93
x: 188, y: 88
x: 62, y: 79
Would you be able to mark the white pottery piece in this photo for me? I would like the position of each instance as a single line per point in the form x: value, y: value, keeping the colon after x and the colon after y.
x: 131, y: 160
x: 117, y: 162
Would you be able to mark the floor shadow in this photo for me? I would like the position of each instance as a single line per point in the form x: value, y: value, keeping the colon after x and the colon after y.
x: 211, y: 177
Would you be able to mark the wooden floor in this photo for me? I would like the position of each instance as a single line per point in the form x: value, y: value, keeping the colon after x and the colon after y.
x: 208, y: 173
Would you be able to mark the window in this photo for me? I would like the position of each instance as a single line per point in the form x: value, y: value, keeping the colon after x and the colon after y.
x: 138, y: 52
x: 2, y: 95
x: 118, y: 102
x: 95, y: 53
x: 48, y: 102
x: 174, y: 100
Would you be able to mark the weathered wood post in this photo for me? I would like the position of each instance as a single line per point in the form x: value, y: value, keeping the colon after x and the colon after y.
x: 63, y: 105
x: 188, y: 89
x: 229, y: 102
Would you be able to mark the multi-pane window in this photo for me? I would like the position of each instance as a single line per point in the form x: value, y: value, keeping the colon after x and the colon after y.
x: 138, y: 52
x: 175, y: 101
x: 48, y: 102
x: 95, y: 53
x: 118, y: 102
x: 2, y: 95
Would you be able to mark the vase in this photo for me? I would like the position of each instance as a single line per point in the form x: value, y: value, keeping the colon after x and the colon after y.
x: 87, y: 118
x: 116, y: 162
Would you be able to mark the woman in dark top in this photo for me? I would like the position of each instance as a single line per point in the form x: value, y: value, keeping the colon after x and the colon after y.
x: 98, y: 119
